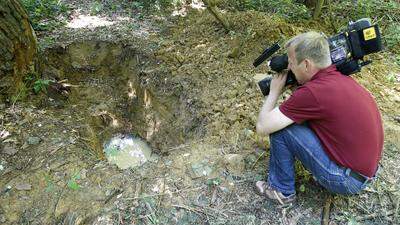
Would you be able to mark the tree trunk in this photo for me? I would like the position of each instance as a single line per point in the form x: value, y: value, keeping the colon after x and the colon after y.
x: 18, y: 46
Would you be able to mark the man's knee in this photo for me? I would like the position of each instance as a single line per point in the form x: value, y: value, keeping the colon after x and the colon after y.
x: 292, y: 127
x: 290, y: 131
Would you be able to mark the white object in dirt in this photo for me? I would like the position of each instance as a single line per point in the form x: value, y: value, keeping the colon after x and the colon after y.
x: 127, y: 151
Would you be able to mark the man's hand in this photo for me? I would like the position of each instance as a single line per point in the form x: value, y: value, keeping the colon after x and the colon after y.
x: 278, y: 82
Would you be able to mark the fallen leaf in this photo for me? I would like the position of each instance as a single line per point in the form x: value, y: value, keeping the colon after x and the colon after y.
x: 4, y: 134
x: 23, y: 187
x: 9, y: 150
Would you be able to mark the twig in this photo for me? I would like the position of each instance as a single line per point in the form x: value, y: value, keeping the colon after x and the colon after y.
x: 215, y: 210
x: 374, y: 215
x: 326, y: 210
x: 359, y: 206
x: 58, y: 201
x: 112, y: 195
x: 259, y: 157
x: 197, y: 211
x: 177, y: 147
x: 396, y: 211
x: 160, y: 194
x: 182, y: 146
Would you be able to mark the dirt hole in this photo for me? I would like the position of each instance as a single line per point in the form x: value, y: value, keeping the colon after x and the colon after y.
x: 117, y: 88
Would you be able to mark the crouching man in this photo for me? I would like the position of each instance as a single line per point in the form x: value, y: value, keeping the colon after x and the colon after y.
x: 330, y: 123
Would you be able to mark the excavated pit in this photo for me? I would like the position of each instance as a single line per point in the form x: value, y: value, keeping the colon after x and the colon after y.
x: 117, y: 89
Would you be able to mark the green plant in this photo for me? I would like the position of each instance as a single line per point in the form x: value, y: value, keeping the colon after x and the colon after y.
x: 301, y: 172
x: 45, y: 43
x: 72, y: 184
x: 392, y: 37
x: 96, y: 8
x: 40, y: 85
x: 391, y: 77
x: 214, y: 182
x: 397, y: 60
x: 288, y: 9
x: 23, y: 87
x: 154, y: 5
x: 30, y: 83
x: 49, y: 183
x: 44, y: 14
x: 21, y: 93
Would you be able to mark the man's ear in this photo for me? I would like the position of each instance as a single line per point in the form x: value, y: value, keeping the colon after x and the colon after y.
x: 308, y: 64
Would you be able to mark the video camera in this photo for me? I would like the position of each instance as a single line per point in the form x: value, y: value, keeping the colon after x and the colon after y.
x: 347, y: 50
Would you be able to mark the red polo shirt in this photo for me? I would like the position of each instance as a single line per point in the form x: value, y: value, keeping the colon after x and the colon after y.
x: 343, y: 115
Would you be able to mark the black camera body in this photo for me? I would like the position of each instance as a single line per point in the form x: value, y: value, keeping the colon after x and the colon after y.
x: 347, y: 50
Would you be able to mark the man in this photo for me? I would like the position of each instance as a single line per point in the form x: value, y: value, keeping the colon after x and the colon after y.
x: 330, y: 123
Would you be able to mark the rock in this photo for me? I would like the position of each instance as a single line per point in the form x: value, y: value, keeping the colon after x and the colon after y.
x: 84, y: 173
x: 396, y: 98
x: 23, y: 187
x: 9, y: 150
x: 2, y: 219
x: 33, y: 140
x: 200, y: 169
x: 250, y: 160
x: 234, y: 163
x: 59, y: 175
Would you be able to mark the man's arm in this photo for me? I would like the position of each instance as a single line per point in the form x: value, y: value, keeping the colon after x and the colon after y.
x: 269, y: 122
x: 272, y: 119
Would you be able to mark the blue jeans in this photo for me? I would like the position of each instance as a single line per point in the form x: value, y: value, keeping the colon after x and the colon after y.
x: 299, y: 141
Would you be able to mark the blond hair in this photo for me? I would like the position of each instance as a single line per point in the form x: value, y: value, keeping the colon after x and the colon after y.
x: 313, y: 46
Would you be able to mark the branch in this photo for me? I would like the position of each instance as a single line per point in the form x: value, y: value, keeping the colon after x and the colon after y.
x: 326, y: 210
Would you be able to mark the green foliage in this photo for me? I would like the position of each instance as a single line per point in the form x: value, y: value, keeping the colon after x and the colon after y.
x: 44, y: 14
x: 391, y: 77
x: 289, y: 9
x: 134, y: 8
x: 301, y: 172
x: 214, y: 182
x: 96, y: 8
x: 392, y: 37
x: 302, y: 188
x: 141, y: 5
x: 375, y: 9
x: 24, y: 87
x: 49, y: 184
x: 154, y: 4
x: 31, y: 83
x: 45, y: 43
x: 40, y: 85
x: 397, y: 60
x: 72, y: 184
x: 37, y: 84
x: 353, y: 221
